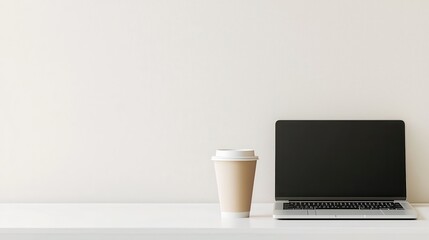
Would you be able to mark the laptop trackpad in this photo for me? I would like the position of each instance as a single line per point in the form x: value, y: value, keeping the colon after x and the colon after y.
x: 349, y: 212
x: 295, y: 212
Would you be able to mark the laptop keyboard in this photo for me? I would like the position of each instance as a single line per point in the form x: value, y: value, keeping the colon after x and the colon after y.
x: 384, y: 205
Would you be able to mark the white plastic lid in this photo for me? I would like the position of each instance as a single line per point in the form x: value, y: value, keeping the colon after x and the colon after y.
x: 235, y: 155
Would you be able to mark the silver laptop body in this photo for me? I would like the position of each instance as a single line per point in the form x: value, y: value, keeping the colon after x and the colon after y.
x: 341, y: 169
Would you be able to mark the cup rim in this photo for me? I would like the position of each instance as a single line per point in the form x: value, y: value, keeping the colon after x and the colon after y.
x: 214, y: 158
x: 234, y: 157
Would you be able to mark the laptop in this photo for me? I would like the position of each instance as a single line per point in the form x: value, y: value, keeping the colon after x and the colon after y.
x: 340, y: 169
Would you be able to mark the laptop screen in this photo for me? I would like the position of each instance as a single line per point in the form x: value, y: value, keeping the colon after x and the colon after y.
x: 344, y: 159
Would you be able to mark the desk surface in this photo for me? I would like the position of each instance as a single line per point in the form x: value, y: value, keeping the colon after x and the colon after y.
x: 188, y: 221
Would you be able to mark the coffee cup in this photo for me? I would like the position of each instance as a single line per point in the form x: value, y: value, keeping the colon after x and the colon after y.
x: 235, y: 173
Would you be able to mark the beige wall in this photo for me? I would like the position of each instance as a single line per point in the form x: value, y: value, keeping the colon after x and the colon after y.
x: 126, y: 101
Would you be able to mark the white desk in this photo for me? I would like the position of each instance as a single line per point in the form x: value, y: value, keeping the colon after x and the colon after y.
x: 188, y: 221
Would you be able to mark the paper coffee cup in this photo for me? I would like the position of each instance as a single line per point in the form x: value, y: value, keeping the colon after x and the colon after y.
x: 235, y: 173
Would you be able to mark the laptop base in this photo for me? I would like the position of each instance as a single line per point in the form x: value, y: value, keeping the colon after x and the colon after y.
x: 407, y: 212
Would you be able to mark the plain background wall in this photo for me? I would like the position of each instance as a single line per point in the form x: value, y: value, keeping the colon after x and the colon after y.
x: 126, y: 101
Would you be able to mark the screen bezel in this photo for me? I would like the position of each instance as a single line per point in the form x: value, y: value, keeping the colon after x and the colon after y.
x: 357, y: 198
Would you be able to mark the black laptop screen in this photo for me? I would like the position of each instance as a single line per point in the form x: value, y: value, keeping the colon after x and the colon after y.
x: 340, y: 160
